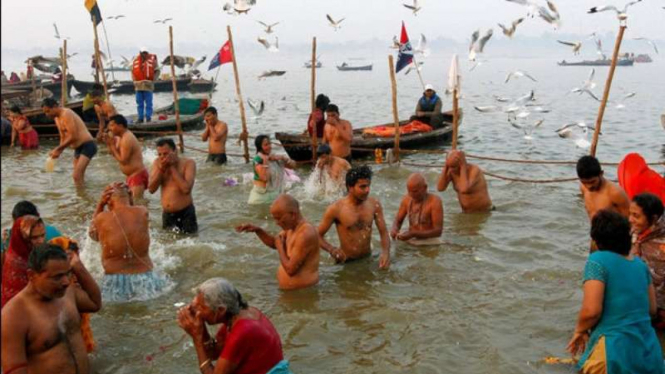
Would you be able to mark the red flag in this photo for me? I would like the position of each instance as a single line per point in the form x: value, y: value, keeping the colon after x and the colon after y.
x: 405, y: 55
x: 222, y: 57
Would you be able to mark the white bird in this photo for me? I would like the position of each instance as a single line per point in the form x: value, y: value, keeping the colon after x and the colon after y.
x: 532, y: 6
x: 599, y: 46
x: 163, y: 21
x: 396, y: 44
x: 487, y: 108
x: 519, y: 73
x: 243, y: 6
x: 627, y: 96
x: 415, y: 7
x: 269, y: 47
x: 422, y: 46
x: 257, y: 108
x: 581, y: 140
x: 509, y: 31
x: 228, y: 8
x: 527, y: 129
x: 587, y: 86
x: 57, y: 33
x: 116, y: 17
x: 501, y: 99
x: 550, y: 14
x: 478, y: 44
x: 268, y: 29
x: 413, y: 67
x: 650, y: 42
x: 576, y: 46
x: 126, y: 63
x: 334, y: 24
x: 621, y: 13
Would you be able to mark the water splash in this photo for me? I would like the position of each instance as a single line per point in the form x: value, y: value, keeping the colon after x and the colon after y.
x: 319, y: 185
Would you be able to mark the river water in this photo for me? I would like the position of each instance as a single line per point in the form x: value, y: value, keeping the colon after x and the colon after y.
x: 502, y: 292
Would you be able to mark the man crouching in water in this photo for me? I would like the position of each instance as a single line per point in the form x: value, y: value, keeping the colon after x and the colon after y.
x: 123, y: 233
x: 353, y: 216
x: 41, y: 325
x: 297, y: 245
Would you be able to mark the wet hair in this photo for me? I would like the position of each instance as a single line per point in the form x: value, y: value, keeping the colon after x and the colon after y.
x: 611, y: 232
x: 96, y: 93
x: 210, y: 109
x: 220, y: 293
x: 651, y: 206
x: 119, y: 119
x: 356, y: 173
x: 588, y: 167
x: 332, y: 108
x: 24, y: 208
x: 259, y: 141
x: 322, y: 102
x: 49, y: 102
x: 166, y: 141
x: 41, y: 255
x: 15, y: 109
x: 324, y: 149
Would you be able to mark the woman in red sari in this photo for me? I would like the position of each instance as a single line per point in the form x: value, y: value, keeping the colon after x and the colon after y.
x: 21, y: 128
x: 27, y: 233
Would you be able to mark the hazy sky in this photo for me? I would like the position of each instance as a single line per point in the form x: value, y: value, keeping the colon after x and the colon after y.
x: 28, y: 24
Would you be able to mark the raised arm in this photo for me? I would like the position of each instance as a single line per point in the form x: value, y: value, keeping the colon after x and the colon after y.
x: 221, y: 134
x: 384, y: 259
x: 399, y: 218
x: 469, y: 177
x: 444, y: 179
x: 14, y: 337
x: 185, y: 182
x: 302, y: 246
x: 88, y: 297
x: 206, y: 133
x: 156, y: 175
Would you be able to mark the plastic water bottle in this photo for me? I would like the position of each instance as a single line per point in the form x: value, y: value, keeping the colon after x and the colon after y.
x: 49, y: 166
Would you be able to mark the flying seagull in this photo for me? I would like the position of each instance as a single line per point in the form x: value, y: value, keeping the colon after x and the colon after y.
x: 57, y: 33
x: 269, y: 47
x: 163, y: 21
x: 396, y: 44
x: 422, y: 46
x: 333, y: 23
x: 478, y: 43
x: 621, y: 13
x: 257, y: 108
x: 650, y: 42
x: 228, y: 8
x: 517, y: 74
x: 509, y: 31
x: 550, y: 14
x: 527, y: 129
x: 268, y: 29
x: 587, y: 86
x: 116, y: 17
x: 415, y: 7
x: 576, y: 46
x: 532, y: 6
x: 625, y: 97
x: 581, y: 140
x: 413, y: 67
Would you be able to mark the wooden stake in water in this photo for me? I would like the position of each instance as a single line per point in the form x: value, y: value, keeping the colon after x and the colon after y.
x: 455, y: 118
x: 315, y: 139
x: 98, y: 59
x: 176, y: 104
x: 606, y: 93
x: 391, y: 68
x: 243, y: 119
x: 63, y: 96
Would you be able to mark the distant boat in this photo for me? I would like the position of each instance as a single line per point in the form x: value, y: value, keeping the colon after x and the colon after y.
x: 605, y: 62
x: 643, y: 58
x: 347, y: 67
x: 308, y: 64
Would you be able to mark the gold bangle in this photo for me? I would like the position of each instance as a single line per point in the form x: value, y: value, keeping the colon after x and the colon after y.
x: 206, y: 362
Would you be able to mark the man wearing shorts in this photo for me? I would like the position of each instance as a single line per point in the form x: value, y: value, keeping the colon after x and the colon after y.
x: 73, y: 134
x: 215, y: 134
x: 125, y: 148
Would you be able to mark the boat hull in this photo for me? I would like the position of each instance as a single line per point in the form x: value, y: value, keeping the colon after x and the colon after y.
x: 622, y: 62
x: 127, y: 87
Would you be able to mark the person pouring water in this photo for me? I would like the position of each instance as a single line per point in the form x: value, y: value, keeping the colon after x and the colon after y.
x: 428, y: 109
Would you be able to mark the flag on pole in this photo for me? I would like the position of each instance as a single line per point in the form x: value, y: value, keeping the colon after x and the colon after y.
x: 453, y: 76
x: 405, y: 55
x: 222, y: 57
x: 93, y: 8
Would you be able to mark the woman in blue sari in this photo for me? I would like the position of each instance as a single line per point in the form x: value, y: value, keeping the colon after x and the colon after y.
x: 614, y: 325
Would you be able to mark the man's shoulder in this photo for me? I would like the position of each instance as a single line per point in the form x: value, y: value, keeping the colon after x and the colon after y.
x: 374, y: 202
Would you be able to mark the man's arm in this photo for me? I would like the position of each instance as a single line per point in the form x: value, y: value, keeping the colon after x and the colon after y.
x: 347, y: 134
x: 302, y: 246
x: 219, y: 135
x: 435, y: 111
x: 88, y: 297
x: 437, y: 222
x: 184, y: 182
x: 14, y: 336
x: 399, y: 218
x: 326, y: 132
x: 620, y: 201
x: 469, y: 177
x: 156, y: 175
x: 206, y: 133
x: 444, y: 179
x: 384, y: 259
x: 265, y: 237
x: 325, y: 224
x: 123, y: 152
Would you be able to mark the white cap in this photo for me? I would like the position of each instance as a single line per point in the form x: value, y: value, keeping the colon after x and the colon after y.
x: 143, y: 49
x: 429, y: 87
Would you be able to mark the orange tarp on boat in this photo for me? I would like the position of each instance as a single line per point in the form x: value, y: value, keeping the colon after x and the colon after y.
x: 389, y: 131
x: 636, y: 177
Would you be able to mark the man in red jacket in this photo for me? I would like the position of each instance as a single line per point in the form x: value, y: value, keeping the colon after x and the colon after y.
x: 144, y: 71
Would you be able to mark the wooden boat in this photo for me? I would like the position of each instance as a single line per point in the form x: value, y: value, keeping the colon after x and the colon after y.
x: 606, y: 62
x: 299, y: 146
x: 54, y: 87
x: 127, y: 87
x: 347, y: 67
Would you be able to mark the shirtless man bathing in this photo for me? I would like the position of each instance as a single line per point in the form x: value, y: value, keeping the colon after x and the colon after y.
x: 41, y: 325
x: 215, y: 134
x: 73, y: 134
x: 468, y: 181
x: 334, y: 166
x: 125, y: 148
x: 425, y: 212
x: 297, y: 244
x: 353, y: 216
x: 337, y: 133
x: 104, y: 111
x: 598, y: 192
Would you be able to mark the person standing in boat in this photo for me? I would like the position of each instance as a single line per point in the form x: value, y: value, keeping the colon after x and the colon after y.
x: 27, y: 135
x: 428, y: 109
x: 215, y: 134
x: 144, y: 71
x: 317, y: 119
x: 338, y: 133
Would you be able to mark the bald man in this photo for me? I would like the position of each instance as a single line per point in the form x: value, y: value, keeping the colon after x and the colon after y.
x: 297, y: 244
x: 468, y: 181
x: 425, y: 212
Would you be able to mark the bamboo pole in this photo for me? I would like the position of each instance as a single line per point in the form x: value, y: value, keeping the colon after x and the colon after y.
x: 64, y: 73
x: 606, y: 94
x: 391, y: 68
x: 422, y: 83
x: 108, y: 49
x: 176, y: 105
x: 315, y: 135
x: 243, y: 119
x: 455, y: 118
x: 98, y: 59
